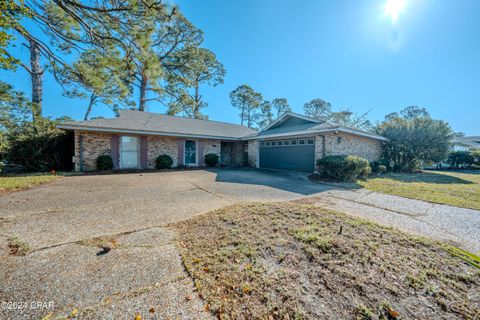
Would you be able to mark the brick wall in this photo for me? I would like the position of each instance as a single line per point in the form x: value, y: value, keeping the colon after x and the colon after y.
x: 253, y: 153
x: 161, y: 145
x: 209, y: 146
x: 94, y: 144
x: 348, y: 144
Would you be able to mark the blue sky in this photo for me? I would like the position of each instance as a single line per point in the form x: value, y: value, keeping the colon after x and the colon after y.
x: 345, y: 52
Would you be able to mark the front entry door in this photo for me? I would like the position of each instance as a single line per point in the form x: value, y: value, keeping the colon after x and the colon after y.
x: 190, y: 152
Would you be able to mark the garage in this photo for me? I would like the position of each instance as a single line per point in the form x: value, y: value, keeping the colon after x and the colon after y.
x: 297, y: 154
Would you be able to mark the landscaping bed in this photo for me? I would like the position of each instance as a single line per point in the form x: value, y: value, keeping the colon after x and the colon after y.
x: 292, y: 260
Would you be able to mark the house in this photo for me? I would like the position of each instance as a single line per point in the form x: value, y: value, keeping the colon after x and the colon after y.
x: 135, y: 139
x: 465, y: 143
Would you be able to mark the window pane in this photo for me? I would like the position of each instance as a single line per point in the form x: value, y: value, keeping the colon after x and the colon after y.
x: 301, y: 141
x: 286, y: 142
x: 280, y: 143
x: 129, y: 152
x: 310, y: 141
x: 294, y: 142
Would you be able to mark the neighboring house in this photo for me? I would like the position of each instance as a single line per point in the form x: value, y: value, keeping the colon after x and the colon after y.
x: 465, y: 143
x: 135, y: 139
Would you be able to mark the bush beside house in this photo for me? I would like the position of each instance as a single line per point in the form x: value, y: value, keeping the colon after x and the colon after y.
x: 343, y: 167
x: 163, y: 162
x: 211, y: 159
x: 104, y: 162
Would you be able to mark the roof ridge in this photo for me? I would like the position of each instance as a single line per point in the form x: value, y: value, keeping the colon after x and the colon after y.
x: 187, y: 118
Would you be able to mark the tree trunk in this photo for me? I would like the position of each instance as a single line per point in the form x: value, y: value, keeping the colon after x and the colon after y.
x: 36, y: 75
x: 243, y: 115
x: 143, y: 92
x: 196, y: 107
x: 93, y: 97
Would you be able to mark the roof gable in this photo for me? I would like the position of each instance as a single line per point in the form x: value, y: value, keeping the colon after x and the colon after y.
x: 290, y: 119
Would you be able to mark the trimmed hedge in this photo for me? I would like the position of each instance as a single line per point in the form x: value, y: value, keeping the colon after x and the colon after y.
x: 163, y: 162
x: 211, y: 159
x: 343, y: 168
x: 104, y: 162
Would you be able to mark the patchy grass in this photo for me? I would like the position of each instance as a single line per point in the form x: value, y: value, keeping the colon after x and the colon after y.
x: 18, y: 182
x: 18, y: 247
x: 457, y: 189
x: 296, y: 261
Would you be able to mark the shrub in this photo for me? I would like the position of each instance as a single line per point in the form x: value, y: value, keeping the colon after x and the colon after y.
x: 377, y: 167
x: 211, y: 159
x: 104, y: 162
x: 344, y: 168
x: 460, y: 158
x: 39, y: 146
x: 366, y: 172
x: 163, y: 162
x: 381, y: 169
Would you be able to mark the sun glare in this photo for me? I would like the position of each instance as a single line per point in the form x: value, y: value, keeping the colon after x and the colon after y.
x: 393, y: 9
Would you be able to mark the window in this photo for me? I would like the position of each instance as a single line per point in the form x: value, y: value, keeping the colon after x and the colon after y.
x: 274, y: 143
x: 280, y: 143
x: 267, y: 143
x: 294, y: 142
x: 301, y: 142
x: 310, y: 141
x: 262, y: 144
x: 286, y: 142
x: 128, y: 152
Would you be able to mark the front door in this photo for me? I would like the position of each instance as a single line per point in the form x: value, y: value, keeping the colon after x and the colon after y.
x: 190, y: 152
x: 128, y: 152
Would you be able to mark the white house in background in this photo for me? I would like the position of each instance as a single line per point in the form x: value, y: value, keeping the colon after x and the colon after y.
x: 466, y: 143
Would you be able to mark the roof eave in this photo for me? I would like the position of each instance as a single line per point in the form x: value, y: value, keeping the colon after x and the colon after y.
x: 297, y: 133
x: 144, y: 132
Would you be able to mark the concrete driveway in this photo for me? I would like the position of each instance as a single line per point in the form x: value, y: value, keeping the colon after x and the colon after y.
x: 76, y: 208
x: 144, y: 274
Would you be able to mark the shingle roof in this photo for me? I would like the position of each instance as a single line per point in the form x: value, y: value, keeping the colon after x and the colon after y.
x: 310, y: 128
x: 154, y: 123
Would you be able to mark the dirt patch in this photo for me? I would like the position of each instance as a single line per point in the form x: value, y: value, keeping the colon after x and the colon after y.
x: 290, y: 260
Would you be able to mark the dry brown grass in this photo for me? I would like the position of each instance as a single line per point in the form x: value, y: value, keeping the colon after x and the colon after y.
x: 297, y: 261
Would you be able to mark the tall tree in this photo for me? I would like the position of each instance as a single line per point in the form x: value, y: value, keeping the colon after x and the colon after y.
x: 265, y: 116
x: 280, y: 105
x: 188, y: 70
x: 413, y: 137
x: 14, y: 112
x: 247, y: 100
x: 350, y: 119
x: 73, y: 26
x: 98, y: 75
x: 318, y: 108
x: 161, y: 36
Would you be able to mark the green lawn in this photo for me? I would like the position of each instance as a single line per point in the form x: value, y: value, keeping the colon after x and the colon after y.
x: 18, y: 182
x: 458, y: 189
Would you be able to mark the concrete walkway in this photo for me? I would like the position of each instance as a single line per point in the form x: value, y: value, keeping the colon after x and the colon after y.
x: 458, y: 226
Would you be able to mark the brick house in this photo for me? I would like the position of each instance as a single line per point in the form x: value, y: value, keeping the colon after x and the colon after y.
x: 135, y: 139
